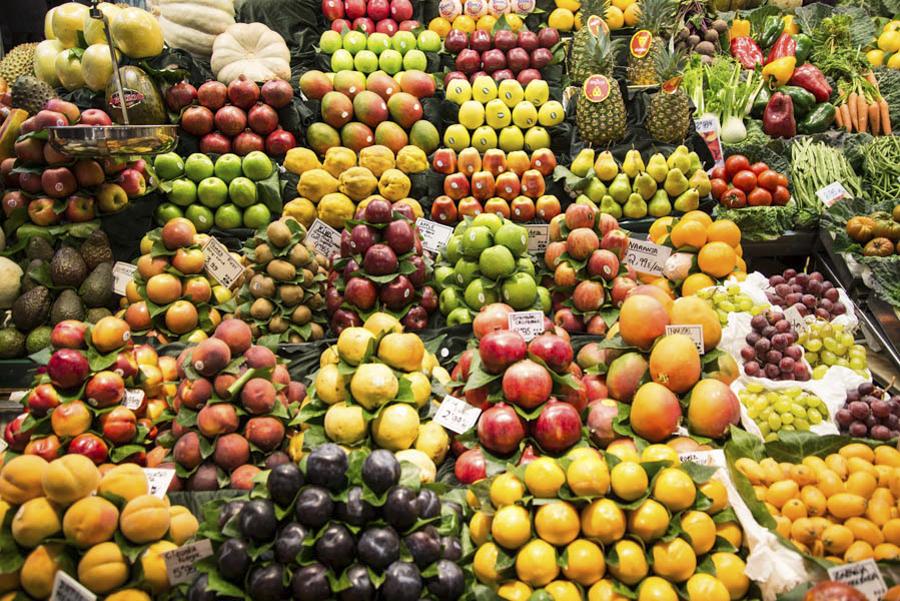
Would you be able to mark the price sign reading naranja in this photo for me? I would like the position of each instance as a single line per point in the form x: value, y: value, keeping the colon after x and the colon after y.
x: 457, y: 415
x: 647, y: 257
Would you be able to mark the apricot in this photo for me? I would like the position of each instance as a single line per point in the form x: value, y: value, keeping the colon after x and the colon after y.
x: 210, y: 357
x: 655, y: 412
x: 39, y: 570
x: 182, y: 524
x: 242, y: 477
x: 642, y: 319
x: 713, y: 409
x: 236, y: 334
x: 71, y: 419
x: 154, y: 566
x: 675, y: 363
x: 90, y: 521
x: 20, y: 479
x: 128, y: 594
x: 693, y: 310
x: 231, y: 451
x: 35, y: 520
x: 188, y: 260
x: 126, y: 481
x: 70, y: 478
x: 267, y: 433
x: 103, y: 568
x: 181, y: 317
x: 144, y: 519
x: 110, y: 333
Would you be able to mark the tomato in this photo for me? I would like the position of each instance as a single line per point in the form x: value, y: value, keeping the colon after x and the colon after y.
x: 759, y: 167
x: 735, y: 163
x: 759, y: 197
x: 734, y: 199
x: 718, y: 173
x: 781, y: 196
x: 717, y: 187
x: 782, y: 180
x: 745, y: 180
x: 768, y: 179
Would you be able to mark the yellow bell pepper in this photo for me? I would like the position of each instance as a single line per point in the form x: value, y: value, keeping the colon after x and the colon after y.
x: 790, y: 26
x: 739, y: 28
x: 780, y: 69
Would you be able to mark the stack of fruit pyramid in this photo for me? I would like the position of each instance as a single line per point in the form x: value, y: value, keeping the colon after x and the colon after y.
x: 104, y: 530
x: 702, y: 246
x: 229, y: 385
x: 486, y: 260
x: 284, y: 295
x: 381, y: 268
x: 100, y: 396
x: 169, y: 292
x: 547, y: 521
x: 373, y: 389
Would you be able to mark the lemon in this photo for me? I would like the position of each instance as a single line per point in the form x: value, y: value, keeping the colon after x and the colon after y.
x: 563, y: 590
x: 421, y: 387
x: 345, y: 424
x: 894, y: 61
x: 655, y: 588
x: 480, y: 527
x: 562, y: 19
x: 603, y: 520
x: 674, y: 489
x: 604, y: 591
x: 544, y: 477
x: 514, y: 591
x: 557, y: 523
x: 373, y: 385
x: 704, y: 587
x: 585, y: 564
x: 514, y: 21
x: 675, y: 560
x: 486, y: 23
x: 730, y: 572
x: 889, y: 41
x: 396, y: 427
x: 701, y: 529
x: 570, y: 5
x: 355, y: 345
x: 631, y: 565
x: 875, y: 57
x: 730, y: 531
x: 588, y: 476
x: 717, y: 494
x: 330, y: 385
x: 433, y: 441
x: 629, y: 480
x: 484, y: 563
x: 465, y: 23
x: 649, y: 521
x: 506, y: 489
x: 536, y: 563
x: 511, y: 526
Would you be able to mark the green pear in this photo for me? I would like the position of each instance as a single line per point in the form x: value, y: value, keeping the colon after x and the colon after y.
x: 606, y: 166
x: 584, y: 200
x: 688, y: 200
x: 620, y: 188
x: 696, y: 165
x: 610, y: 207
x: 633, y: 163
x: 676, y: 182
x: 659, y: 205
x: 595, y: 190
x: 635, y: 208
x: 583, y: 162
x: 657, y: 167
x: 679, y: 159
x: 700, y: 180
x: 644, y: 185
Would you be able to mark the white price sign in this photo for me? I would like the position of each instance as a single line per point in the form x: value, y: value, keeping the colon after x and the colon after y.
x: 864, y: 576
x: 694, y: 332
x: 832, y: 193
x: 457, y: 415
x: 158, y: 479
x: 708, y: 458
x: 122, y: 274
x: 538, y: 237
x: 647, y: 257
x: 434, y: 235
x: 181, y: 563
x: 527, y: 323
x: 795, y: 319
x: 16, y: 396
x: 133, y: 398
x: 66, y: 588
x: 325, y: 239
x: 220, y: 264
x: 3, y: 446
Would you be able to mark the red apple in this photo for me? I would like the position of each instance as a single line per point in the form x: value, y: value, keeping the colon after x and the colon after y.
x: 42, y: 399
x: 552, y: 350
x: 95, y: 117
x: 91, y: 446
x: 132, y: 182
x: 491, y: 317
x: 80, y: 209
x: 526, y: 384
x: 470, y: 467
x: 500, y: 429
x: 558, y: 427
x: 41, y: 212
x: 500, y: 349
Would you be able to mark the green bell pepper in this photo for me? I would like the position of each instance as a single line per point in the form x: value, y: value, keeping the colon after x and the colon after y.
x: 760, y: 102
x: 804, y: 47
x: 817, y: 120
x: 773, y: 26
x: 803, y: 101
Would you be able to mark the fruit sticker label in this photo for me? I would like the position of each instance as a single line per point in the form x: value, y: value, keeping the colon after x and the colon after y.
x: 325, y: 239
x: 133, y: 398
x: 220, y: 264
x: 795, y: 319
x: 66, y: 588
x: 457, y: 415
x: 181, y: 563
x: 158, y: 480
x: 694, y: 332
x: 596, y: 88
x: 647, y: 257
x: 671, y: 86
x: 132, y: 98
x: 527, y: 323
x: 434, y: 235
x: 864, y: 576
x: 832, y: 193
x: 3, y: 446
x: 708, y: 128
x: 538, y: 237
x: 640, y: 43
x: 122, y: 274
x: 595, y: 24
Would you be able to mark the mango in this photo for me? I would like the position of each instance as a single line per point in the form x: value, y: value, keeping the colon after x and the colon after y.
x: 39, y: 569
x: 182, y: 524
x: 145, y: 519
x: 126, y: 481
x: 35, y: 520
x: 154, y: 566
x: 90, y: 521
x: 69, y: 478
x: 20, y: 479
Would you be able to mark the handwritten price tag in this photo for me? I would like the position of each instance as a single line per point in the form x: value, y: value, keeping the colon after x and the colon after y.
x: 538, y: 237
x: 220, y: 264
x: 457, y: 415
x: 325, y: 239
x: 17, y: 396
x: 122, y: 274
x: 795, y: 319
x: 434, y: 235
x: 133, y: 398
x: 527, y: 323
x: 647, y: 257
x: 181, y: 563
x: 694, y: 332
x: 66, y: 588
x: 832, y: 193
x: 709, y: 458
x: 863, y: 576
x: 158, y: 480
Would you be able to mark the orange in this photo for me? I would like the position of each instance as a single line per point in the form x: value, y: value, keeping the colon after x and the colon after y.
x: 664, y: 285
x: 695, y: 282
x: 716, y: 259
x: 486, y: 23
x: 440, y: 26
x: 724, y: 230
x: 464, y: 23
x: 740, y: 265
x: 688, y: 232
x: 700, y: 216
x: 660, y: 228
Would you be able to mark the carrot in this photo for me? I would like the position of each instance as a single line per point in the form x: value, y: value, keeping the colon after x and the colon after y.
x: 875, y: 118
x: 845, y: 113
x: 839, y: 117
x: 885, y: 117
x: 851, y: 104
x: 862, y: 114
x: 870, y: 77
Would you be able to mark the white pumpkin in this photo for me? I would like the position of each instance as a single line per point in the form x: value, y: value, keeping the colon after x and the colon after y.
x: 193, y: 25
x: 252, y: 50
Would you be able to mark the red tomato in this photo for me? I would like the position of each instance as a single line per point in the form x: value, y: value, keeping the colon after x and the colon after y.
x: 718, y: 173
x: 782, y: 180
x: 734, y: 199
x: 735, y: 163
x: 717, y: 187
x: 781, y: 196
x: 768, y: 179
x: 745, y: 180
x: 759, y: 197
x: 759, y: 167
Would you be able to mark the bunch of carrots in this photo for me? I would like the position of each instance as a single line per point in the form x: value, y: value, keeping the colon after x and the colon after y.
x: 861, y: 108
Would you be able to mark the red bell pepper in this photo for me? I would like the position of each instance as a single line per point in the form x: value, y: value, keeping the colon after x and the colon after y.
x: 808, y: 77
x: 778, y: 118
x: 746, y: 51
x: 785, y: 45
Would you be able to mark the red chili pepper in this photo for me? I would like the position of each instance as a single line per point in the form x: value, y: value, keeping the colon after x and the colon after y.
x: 778, y: 118
x: 785, y: 45
x: 808, y: 77
x: 746, y: 51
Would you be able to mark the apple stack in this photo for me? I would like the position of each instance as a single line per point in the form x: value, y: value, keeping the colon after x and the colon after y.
x: 228, y: 193
x: 373, y: 388
x: 387, y: 17
x: 512, y: 186
x: 405, y: 51
x: 51, y: 187
x: 381, y: 268
x: 233, y: 405
x: 241, y: 117
x: 486, y: 260
x: 503, y: 54
x: 284, y: 296
x: 100, y: 396
x: 169, y: 292
x: 588, y: 279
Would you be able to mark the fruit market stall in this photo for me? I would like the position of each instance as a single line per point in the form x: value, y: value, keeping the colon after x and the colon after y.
x: 461, y: 300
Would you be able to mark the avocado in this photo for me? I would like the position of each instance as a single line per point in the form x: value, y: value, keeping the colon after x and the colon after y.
x: 12, y: 343
x: 67, y: 306
x: 95, y: 249
x: 67, y: 268
x: 38, y: 339
x: 31, y: 309
x: 39, y: 247
x: 96, y: 314
x: 32, y: 267
x: 96, y: 290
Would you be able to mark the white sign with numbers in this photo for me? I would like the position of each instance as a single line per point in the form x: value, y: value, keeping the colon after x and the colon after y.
x: 219, y: 263
x: 457, y: 415
x: 181, y: 563
x: 66, y: 588
x: 434, y: 235
x: 694, y: 332
x: 647, y: 257
x: 325, y: 239
x: 527, y: 323
x: 538, y: 237
x: 122, y: 274
x: 158, y: 479
x: 864, y: 576
x: 133, y: 398
x: 832, y: 193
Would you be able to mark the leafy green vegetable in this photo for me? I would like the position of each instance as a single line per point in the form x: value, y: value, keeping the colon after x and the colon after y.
x: 889, y: 86
x: 760, y: 223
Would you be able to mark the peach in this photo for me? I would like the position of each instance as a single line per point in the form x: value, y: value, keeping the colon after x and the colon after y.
x: 236, y: 334
x: 655, y: 412
x: 188, y: 260
x: 148, y: 266
x: 642, y: 319
x: 280, y: 375
x: 232, y: 450
x: 71, y: 419
x: 222, y: 383
x: 259, y: 357
x: 178, y: 233
x: 109, y: 334
x: 91, y: 446
x: 683, y: 444
x: 145, y: 354
x: 42, y: 398
x: 220, y: 418
x: 181, y: 317
x: 601, y: 415
x: 163, y: 288
x: 258, y: 396
x: 267, y: 433
x: 242, y: 477
x: 195, y: 393
x: 119, y: 425
x: 104, y: 389
x: 145, y: 519
x: 713, y: 409
x: 197, y: 289
x: 47, y: 447
x: 68, y: 333
x: 675, y: 363
x: 210, y: 357
x: 90, y: 521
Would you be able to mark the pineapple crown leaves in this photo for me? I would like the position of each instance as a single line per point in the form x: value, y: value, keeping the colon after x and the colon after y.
x: 603, y: 51
x: 594, y: 7
x: 669, y: 62
x: 657, y: 16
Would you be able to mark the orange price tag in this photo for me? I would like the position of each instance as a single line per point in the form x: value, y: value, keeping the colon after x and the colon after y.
x: 671, y: 86
x: 640, y: 43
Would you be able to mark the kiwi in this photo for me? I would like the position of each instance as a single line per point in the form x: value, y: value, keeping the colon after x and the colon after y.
x: 278, y: 324
x: 301, y: 315
x: 262, y: 286
x: 281, y: 270
x: 316, y: 302
x: 263, y: 254
x: 279, y: 234
x: 300, y: 256
x: 290, y: 295
x: 316, y: 332
x: 262, y: 308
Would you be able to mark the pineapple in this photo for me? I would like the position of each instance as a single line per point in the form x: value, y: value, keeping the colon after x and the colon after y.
x: 668, y: 114
x: 657, y: 17
x: 600, y: 123
x: 579, y: 62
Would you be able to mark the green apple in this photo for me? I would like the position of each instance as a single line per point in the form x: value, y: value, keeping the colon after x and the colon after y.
x: 525, y: 265
x: 480, y: 292
x: 429, y: 41
x: 444, y: 275
x: 200, y: 216
x: 184, y: 192
x: 212, y: 192
x: 257, y: 166
x: 390, y: 61
x: 354, y: 41
x: 228, y: 167
x: 379, y: 42
x: 465, y: 271
x: 330, y: 42
x: 459, y: 316
x: 449, y: 300
x: 415, y: 60
x: 512, y: 236
x: 519, y: 291
x: 452, y: 252
x: 228, y: 217
x: 198, y: 167
x: 492, y: 221
x: 497, y: 262
x: 341, y: 60
x: 476, y: 240
x: 544, y: 298
x: 257, y: 216
x: 167, y: 212
x: 168, y: 166
x: 403, y: 41
x: 366, y: 61
x: 242, y: 192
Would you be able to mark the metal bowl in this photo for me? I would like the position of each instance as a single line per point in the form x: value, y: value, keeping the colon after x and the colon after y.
x: 107, y: 140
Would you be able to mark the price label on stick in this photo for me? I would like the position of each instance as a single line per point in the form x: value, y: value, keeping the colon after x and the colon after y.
x: 434, y: 235
x: 527, y: 323
x: 325, y: 239
x: 647, y: 257
x: 66, y: 588
x: 795, y: 319
x: 457, y: 415
x: 694, y: 332
x: 832, y: 193
x: 864, y: 576
x: 219, y: 263
x: 538, y: 237
x: 122, y: 274
x: 133, y: 398
x: 181, y: 563
x: 158, y: 480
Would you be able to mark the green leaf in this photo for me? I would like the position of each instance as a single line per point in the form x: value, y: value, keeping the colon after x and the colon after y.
x: 794, y: 446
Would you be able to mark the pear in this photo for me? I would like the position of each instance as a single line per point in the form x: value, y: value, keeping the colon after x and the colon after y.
x: 633, y: 164
x: 595, y: 190
x: 584, y: 200
x: 679, y: 159
x: 676, y: 182
x: 606, y: 167
x: 700, y: 180
x: 620, y: 188
x: 610, y: 207
x: 644, y: 185
x: 657, y: 167
x: 695, y: 162
x: 688, y: 200
x: 659, y: 205
x: 635, y: 207
x: 583, y: 162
